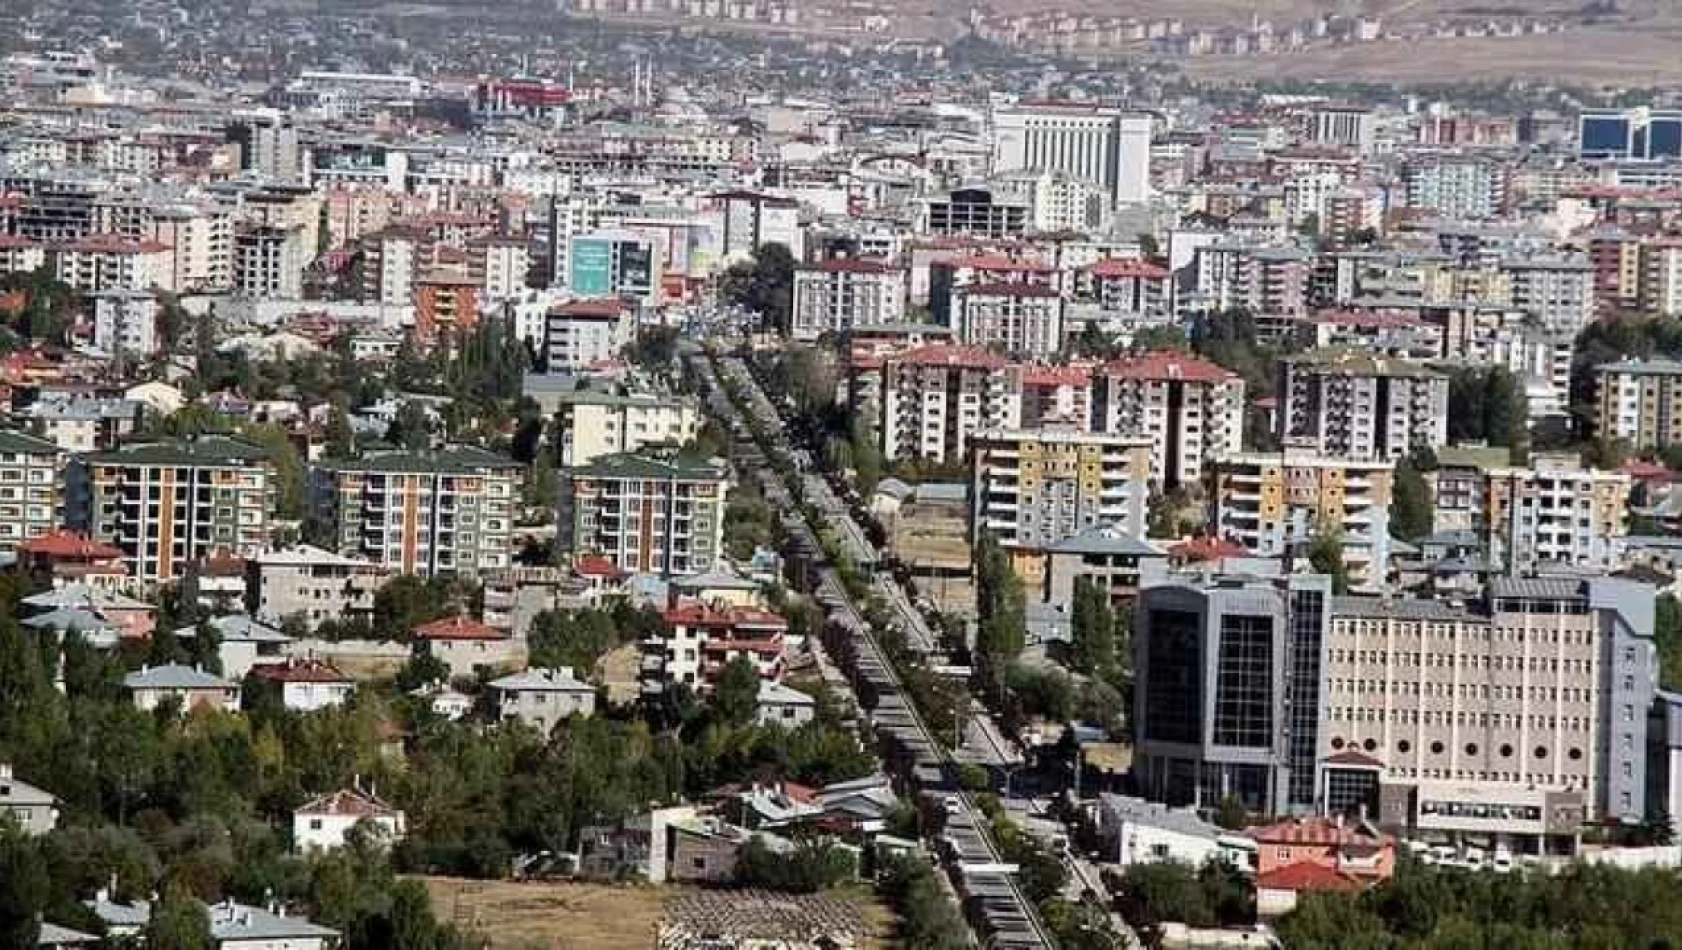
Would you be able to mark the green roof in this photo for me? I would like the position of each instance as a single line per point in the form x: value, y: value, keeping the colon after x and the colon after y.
x: 636, y: 465
x: 457, y: 459
x: 216, y: 451
x: 13, y: 441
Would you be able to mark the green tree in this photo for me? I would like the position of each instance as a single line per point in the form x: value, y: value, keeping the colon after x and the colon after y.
x: 1325, y: 555
x: 288, y: 466
x: 24, y: 889
x: 764, y: 286
x: 1667, y: 638
x: 1001, y: 625
x: 1411, y: 510
x: 340, y: 437
x: 1092, y: 631
x: 178, y: 922
x: 736, y: 694
x: 410, y: 428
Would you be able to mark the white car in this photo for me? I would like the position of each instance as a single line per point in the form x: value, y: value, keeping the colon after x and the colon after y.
x: 952, y: 805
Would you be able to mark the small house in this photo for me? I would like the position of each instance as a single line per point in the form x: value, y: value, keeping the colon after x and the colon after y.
x: 34, y: 810
x: 541, y: 698
x: 464, y: 644
x: 325, y: 823
x: 307, y: 684
x: 784, y: 706
x: 152, y: 685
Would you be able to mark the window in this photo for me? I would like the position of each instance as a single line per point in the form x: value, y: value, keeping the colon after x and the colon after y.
x: 315, y: 824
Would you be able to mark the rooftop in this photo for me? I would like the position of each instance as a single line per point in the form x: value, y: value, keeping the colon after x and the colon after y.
x: 209, y: 451
x: 458, y: 627
x: 174, y: 676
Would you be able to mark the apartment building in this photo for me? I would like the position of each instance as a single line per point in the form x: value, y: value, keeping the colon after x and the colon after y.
x: 614, y: 263
x: 1190, y: 409
x: 108, y: 262
x: 1268, y: 281
x: 657, y: 511
x: 171, y: 503
x: 1275, y: 503
x: 1458, y: 187
x: 595, y: 424
x: 1020, y: 318
x: 753, y: 220
x: 20, y: 255
x: 932, y: 399
x: 839, y: 294
x: 1556, y: 514
x: 578, y: 334
x: 1031, y: 489
x: 1351, y: 404
x: 1558, y: 291
x: 703, y: 638
x: 1125, y: 287
x: 1521, y: 716
x: 499, y: 264
x: 1229, y: 696
x: 311, y: 584
x: 446, y: 304
x: 32, y: 483
x: 445, y: 512
x: 1105, y: 147
x: 1640, y: 402
x: 269, y: 262
x: 126, y: 322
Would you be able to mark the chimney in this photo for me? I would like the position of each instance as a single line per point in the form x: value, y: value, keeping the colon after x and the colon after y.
x: 5, y: 771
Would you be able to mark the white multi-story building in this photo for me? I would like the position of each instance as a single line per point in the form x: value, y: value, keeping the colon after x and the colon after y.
x: 445, y: 512
x: 1458, y: 187
x: 839, y: 294
x: 20, y: 255
x: 596, y: 424
x: 578, y: 334
x: 500, y: 264
x: 752, y: 221
x: 1190, y: 409
x: 1020, y: 318
x: 31, y: 488
x: 126, y: 322
x: 1556, y: 514
x: 1345, y: 127
x: 934, y: 398
x: 1107, y: 147
x: 1349, y: 404
x: 1557, y: 291
x: 102, y: 262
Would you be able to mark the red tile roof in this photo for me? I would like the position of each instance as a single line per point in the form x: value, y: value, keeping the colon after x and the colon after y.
x: 852, y: 265
x: 1127, y: 267
x: 1007, y: 289
x: 113, y: 244
x: 1057, y: 376
x: 951, y: 354
x: 347, y: 802
x: 299, y: 670
x: 998, y: 262
x: 600, y: 307
x: 1353, y: 757
x: 64, y: 543
x: 1168, y: 365
x: 1316, y: 831
x: 458, y: 628
x: 700, y: 615
x: 1207, y: 549
x: 1367, y: 318
x: 1306, y: 876
x: 597, y: 565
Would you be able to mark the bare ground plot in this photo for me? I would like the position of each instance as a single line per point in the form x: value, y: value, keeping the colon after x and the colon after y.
x: 1639, y: 57
x: 563, y: 916
x: 570, y: 915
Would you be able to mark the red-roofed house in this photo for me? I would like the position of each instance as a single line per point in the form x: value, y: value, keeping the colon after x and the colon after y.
x: 464, y: 643
x: 1277, y: 891
x: 63, y: 555
x: 933, y: 398
x: 947, y: 276
x: 306, y: 684
x: 1130, y: 287
x: 1352, y: 848
x: 704, y: 638
x: 1190, y: 408
x: 324, y: 824
x: 580, y: 333
x: 836, y: 295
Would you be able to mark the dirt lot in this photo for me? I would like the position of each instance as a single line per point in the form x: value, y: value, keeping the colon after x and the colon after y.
x: 582, y: 916
x: 565, y: 916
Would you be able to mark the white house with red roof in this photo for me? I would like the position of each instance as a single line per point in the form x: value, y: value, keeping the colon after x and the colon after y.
x: 109, y: 261
x: 66, y: 556
x: 307, y: 684
x: 838, y: 294
x: 704, y: 638
x: 463, y: 644
x: 933, y: 398
x: 1128, y: 287
x: 579, y: 333
x: 325, y: 823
